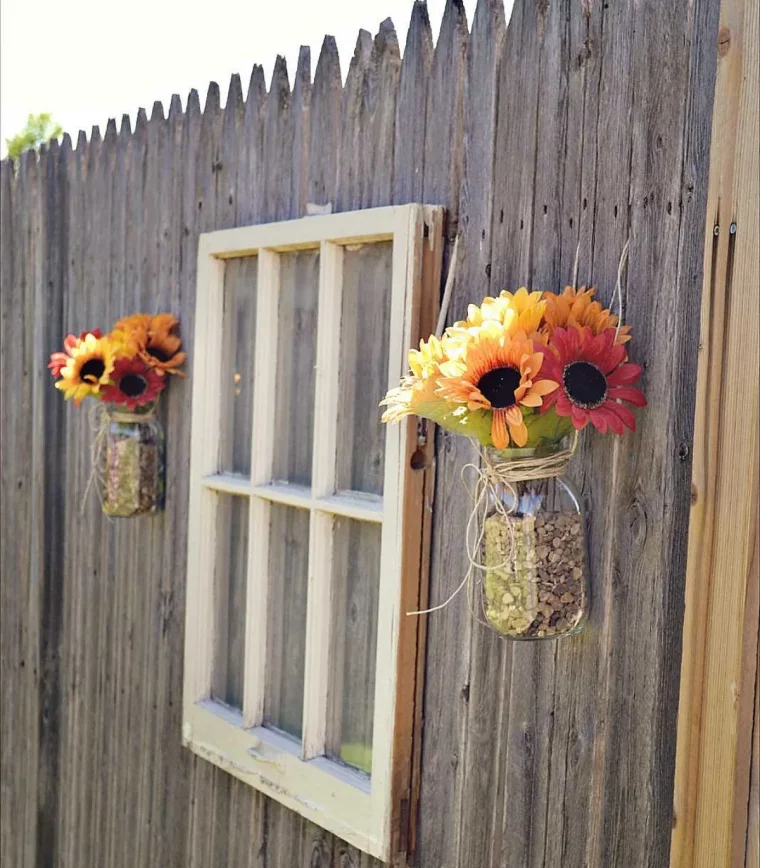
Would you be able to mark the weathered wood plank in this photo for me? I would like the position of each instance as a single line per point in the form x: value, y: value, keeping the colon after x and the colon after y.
x: 378, y: 109
x: 478, y: 812
x: 251, y: 157
x: 12, y: 683
x: 352, y: 157
x: 31, y: 175
x: 115, y: 750
x: 409, y: 159
x: 19, y: 668
x: 570, y: 768
x: 301, y: 112
x: 532, y: 118
x: 278, y: 140
x: 651, y: 478
x: 68, y: 811
x: 444, y: 106
x: 446, y: 676
x: 325, y: 129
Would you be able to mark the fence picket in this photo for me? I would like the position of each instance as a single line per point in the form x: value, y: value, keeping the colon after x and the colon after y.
x: 324, y: 130
x: 409, y: 161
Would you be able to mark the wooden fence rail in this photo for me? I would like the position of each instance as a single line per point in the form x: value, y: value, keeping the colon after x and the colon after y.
x: 582, y: 122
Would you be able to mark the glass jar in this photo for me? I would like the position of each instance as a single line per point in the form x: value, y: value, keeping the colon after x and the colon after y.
x: 535, y: 579
x: 134, y: 472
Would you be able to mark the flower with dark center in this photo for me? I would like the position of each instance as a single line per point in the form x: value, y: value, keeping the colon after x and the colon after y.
x: 159, y: 354
x: 59, y: 359
x: 500, y: 373
x: 585, y: 384
x: 155, y: 339
x: 595, y: 379
x: 92, y: 370
x: 133, y: 384
x: 87, y: 368
x: 499, y: 385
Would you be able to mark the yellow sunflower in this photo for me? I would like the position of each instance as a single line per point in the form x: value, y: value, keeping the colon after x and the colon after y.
x: 88, y: 368
x: 576, y: 308
x: 499, y: 373
x: 417, y: 395
x: 155, y: 339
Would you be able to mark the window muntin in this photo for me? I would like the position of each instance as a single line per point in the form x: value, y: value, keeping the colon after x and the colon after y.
x: 319, y: 693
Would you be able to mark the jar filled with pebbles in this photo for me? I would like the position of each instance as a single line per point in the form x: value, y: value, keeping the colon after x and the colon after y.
x: 535, y: 575
x: 134, y: 471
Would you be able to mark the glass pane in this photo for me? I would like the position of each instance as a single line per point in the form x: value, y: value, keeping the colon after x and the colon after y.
x: 365, y: 325
x: 231, y: 580
x: 356, y: 551
x: 286, y: 653
x: 239, y: 330
x: 296, y: 358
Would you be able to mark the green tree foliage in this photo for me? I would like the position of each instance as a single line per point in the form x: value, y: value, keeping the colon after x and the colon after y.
x: 39, y: 129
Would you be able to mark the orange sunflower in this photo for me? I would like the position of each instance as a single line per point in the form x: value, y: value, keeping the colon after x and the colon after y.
x: 155, y: 339
x: 498, y: 373
x: 88, y: 368
x: 576, y: 308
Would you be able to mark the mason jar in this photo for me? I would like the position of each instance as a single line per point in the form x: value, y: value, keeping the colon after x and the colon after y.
x: 134, y: 472
x: 535, y: 581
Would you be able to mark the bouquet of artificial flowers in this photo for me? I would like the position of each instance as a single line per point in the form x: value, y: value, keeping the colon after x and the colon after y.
x: 522, y: 375
x: 125, y: 371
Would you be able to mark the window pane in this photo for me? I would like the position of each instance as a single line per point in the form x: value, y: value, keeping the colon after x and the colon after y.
x: 231, y: 580
x: 296, y: 358
x: 286, y: 654
x: 237, y: 364
x: 356, y: 551
x: 365, y: 331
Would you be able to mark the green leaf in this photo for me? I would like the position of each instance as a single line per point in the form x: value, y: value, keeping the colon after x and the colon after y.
x: 39, y: 129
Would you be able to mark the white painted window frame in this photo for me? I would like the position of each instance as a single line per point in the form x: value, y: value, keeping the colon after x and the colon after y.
x: 365, y: 812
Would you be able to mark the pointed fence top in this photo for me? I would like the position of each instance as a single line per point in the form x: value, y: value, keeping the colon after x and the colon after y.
x: 213, y: 99
x: 235, y: 92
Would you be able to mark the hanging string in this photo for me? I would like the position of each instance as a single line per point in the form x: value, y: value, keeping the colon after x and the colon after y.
x: 99, y: 421
x: 618, y: 287
x: 448, y: 290
x: 575, y: 265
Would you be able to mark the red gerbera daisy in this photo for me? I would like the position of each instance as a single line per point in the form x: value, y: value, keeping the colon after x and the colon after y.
x: 594, y: 379
x: 58, y: 360
x: 133, y: 383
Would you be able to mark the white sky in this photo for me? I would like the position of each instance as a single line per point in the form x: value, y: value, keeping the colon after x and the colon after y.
x: 87, y: 60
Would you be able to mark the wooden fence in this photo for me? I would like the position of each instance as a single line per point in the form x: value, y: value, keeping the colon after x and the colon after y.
x: 581, y: 123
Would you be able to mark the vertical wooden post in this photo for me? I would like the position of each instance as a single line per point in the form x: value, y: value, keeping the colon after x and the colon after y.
x: 720, y: 640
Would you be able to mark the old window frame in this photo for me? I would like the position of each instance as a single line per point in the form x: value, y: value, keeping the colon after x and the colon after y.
x: 374, y: 814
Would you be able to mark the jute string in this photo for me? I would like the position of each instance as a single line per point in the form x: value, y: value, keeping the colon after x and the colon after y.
x: 100, y: 418
x: 494, y: 475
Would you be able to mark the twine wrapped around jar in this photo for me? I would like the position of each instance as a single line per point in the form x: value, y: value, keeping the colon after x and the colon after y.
x: 525, y: 543
x: 526, y: 538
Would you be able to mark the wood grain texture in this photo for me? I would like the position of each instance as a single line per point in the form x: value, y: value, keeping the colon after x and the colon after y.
x: 718, y: 671
x: 408, y: 169
x: 581, y: 122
